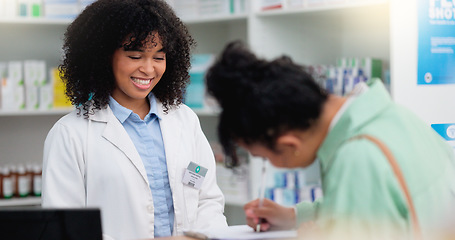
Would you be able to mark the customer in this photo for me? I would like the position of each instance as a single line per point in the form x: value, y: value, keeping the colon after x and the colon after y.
x: 275, y: 110
x: 127, y: 145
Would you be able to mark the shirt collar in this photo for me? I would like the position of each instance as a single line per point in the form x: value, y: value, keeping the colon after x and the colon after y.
x: 153, y: 106
x: 122, y: 113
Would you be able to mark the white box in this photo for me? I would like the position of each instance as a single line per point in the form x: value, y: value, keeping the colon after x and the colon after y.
x: 214, y: 7
x: 30, y: 77
x: 186, y: 8
x: 31, y: 84
x: 9, y: 9
x: 6, y: 95
x: 61, y: 10
x: 290, y: 4
x: 61, y: 1
x: 315, y: 3
x: 40, y: 69
x: 2, y: 9
x: 12, y: 97
x: 241, y: 6
x: 335, y: 2
x: 46, y: 96
x: 3, y: 75
x: 31, y: 97
x: 14, y: 87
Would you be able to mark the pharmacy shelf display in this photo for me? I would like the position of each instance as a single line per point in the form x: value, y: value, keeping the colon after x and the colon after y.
x: 20, y: 202
x: 318, y: 34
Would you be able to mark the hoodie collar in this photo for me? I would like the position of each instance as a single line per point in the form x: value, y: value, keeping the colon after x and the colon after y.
x: 362, y: 110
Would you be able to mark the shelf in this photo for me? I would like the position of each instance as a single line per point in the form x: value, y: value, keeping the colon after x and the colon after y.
x: 17, y: 202
x: 309, y: 35
x: 66, y: 21
x: 35, y: 112
x: 213, y: 19
x: 45, y: 21
x: 235, y: 203
x: 206, y: 112
x: 12, y: 113
x: 320, y: 8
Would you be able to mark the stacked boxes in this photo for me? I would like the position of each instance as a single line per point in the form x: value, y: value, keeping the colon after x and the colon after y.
x: 8, y: 8
x: 12, y: 95
x: 290, y: 187
x: 61, y: 8
x: 32, y: 8
x: 25, y: 85
x: 342, y: 78
x: 190, y: 9
x: 66, y: 9
x: 266, y: 5
x: 69, y: 9
x: 196, y: 96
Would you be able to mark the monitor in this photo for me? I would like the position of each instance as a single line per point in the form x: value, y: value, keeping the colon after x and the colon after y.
x: 49, y: 223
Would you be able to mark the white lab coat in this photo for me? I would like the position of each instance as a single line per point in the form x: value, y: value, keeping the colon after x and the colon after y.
x: 93, y: 163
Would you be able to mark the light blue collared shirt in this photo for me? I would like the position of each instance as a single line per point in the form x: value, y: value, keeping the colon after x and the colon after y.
x: 147, y: 138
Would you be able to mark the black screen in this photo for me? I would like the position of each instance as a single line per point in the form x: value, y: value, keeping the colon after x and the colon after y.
x: 55, y: 224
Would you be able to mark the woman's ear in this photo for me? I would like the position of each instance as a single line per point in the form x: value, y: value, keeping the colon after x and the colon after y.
x: 289, y: 142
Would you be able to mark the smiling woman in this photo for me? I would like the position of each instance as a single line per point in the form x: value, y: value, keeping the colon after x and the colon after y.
x: 137, y: 72
x: 125, y: 147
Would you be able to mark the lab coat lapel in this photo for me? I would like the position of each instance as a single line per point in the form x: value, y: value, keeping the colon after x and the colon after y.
x: 117, y: 135
x: 171, y: 129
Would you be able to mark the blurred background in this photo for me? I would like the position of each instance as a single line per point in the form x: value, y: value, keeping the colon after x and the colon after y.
x: 341, y: 43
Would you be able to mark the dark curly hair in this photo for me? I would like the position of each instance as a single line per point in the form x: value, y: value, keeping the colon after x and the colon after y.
x: 260, y: 99
x: 104, y: 26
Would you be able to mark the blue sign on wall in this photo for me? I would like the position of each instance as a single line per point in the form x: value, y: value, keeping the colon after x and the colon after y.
x: 447, y: 131
x: 436, y: 49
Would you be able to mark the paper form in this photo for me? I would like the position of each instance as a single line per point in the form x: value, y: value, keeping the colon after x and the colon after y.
x: 239, y: 232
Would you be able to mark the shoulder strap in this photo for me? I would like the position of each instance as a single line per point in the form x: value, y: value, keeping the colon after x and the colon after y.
x: 396, y: 170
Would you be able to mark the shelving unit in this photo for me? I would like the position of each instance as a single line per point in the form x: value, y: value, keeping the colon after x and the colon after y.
x: 318, y: 35
x: 321, y: 7
x: 213, y: 19
x: 21, y: 202
x: 322, y: 35
x: 13, y: 113
x: 49, y: 21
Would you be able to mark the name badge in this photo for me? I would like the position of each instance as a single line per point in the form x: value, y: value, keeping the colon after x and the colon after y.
x: 194, y: 175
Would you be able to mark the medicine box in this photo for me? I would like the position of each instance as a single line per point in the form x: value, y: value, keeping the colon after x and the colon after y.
x: 61, y: 8
x: 195, y: 92
x: 60, y: 99
x: 13, y: 94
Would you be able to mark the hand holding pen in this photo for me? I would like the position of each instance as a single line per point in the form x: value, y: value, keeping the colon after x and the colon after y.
x: 272, y: 215
x: 263, y: 214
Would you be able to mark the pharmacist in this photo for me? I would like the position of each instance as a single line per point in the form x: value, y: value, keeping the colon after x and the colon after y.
x: 131, y: 147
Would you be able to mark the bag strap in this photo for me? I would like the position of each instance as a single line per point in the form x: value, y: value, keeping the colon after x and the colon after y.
x: 396, y: 170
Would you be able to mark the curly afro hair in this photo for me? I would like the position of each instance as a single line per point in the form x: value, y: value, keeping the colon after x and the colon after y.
x: 261, y: 99
x: 104, y: 26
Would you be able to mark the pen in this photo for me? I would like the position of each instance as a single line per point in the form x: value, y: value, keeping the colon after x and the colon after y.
x: 261, y: 193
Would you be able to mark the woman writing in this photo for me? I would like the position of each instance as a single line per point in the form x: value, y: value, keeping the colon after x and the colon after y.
x: 274, y: 109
